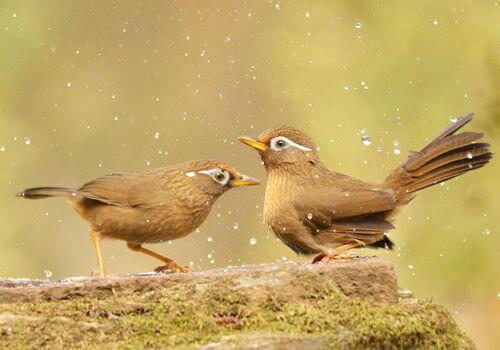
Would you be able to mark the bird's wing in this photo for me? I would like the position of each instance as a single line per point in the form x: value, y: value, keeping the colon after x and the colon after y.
x: 120, y: 189
x: 357, y: 210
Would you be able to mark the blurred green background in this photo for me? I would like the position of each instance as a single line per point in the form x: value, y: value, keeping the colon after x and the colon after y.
x: 93, y: 87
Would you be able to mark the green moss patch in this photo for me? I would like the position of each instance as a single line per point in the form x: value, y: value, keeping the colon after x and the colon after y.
x: 189, y: 315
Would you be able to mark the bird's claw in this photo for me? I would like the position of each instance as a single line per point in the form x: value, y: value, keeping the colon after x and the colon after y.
x: 173, y: 267
x: 323, y: 258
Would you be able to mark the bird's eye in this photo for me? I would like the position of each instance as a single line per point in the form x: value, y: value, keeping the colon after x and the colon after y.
x: 279, y: 143
x: 219, y: 177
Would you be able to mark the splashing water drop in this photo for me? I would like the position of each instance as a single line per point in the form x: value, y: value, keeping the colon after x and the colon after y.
x: 48, y: 274
x: 453, y: 119
x: 367, y: 141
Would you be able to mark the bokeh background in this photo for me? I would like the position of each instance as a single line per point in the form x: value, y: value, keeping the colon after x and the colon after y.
x: 93, y: 87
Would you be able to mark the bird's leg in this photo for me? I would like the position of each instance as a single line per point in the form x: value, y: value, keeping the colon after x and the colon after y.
x: 96, y: 239
x: 337, y: 251
x: 169, y: 263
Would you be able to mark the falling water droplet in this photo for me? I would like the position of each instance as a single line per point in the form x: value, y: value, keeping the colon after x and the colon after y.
x: 453, y: 119
x: 209, y: 239
x: 47, y: 273
x: 309, y: 216
x: 157, y: 135
x: 469, y: 155
x: 367, y: 141
x: 486, y: 231
x: 236, y: 226
x: 27, y: 141
x: 397, y: 151
x: 253, y: 241
x: 358, y: 25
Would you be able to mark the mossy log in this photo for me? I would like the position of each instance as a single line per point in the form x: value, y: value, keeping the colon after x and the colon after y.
x: 345, y: 304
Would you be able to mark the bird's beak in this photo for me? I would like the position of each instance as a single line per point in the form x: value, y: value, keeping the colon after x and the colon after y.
x: 253, y: 143
x: 244, y: 181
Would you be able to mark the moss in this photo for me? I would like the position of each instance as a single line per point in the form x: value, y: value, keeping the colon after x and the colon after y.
x: 189, y: 314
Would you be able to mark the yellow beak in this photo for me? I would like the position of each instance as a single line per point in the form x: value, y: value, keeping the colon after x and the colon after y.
x: 244, y: 181
x: 253, y: 143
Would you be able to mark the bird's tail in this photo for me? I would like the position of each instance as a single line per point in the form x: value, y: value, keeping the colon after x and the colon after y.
x: 44, y: 192
x: 445, y: 157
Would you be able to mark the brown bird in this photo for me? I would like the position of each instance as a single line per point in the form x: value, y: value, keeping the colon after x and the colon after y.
x: 150, y: 206
x: 314, y: 210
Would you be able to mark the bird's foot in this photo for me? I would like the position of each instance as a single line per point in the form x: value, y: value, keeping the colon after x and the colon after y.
x: 323, y: 258
x: 98, y: 273
x: 173, y: 267
x: 318, y: 258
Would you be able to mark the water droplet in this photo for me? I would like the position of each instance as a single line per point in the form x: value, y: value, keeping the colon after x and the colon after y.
x: 453, y: 119
x: 397, y: 151
x: 309, y: 216
x: 157, y: 135
x: 236, y: 226
x: 69, y: 84
x: 486, y: 231
x: 253, y: 241
x: 395, y: 143
x: 209, y: 239
x: 2, y: 148
x: 307, y: 14
x: 411, y: 267
x: 358, y: 25
x: 469, y: 155
x: 191, y: 174
x: 277, y: 6
x: 47, y: 273
x: 367, y: 141
x: 435, y: 21
x: 27, y: 141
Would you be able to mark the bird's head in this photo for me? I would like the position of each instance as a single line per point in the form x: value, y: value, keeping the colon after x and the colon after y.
x: 283, y: 145
x: 214, y: 178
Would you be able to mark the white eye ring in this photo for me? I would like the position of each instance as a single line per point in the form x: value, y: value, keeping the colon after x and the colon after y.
x: 215, y: 175
x: 277, y: 144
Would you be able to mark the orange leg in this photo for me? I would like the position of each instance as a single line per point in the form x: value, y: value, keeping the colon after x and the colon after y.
x: 169, y: 263
x: 96, y: 239
x: 337, y: 251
